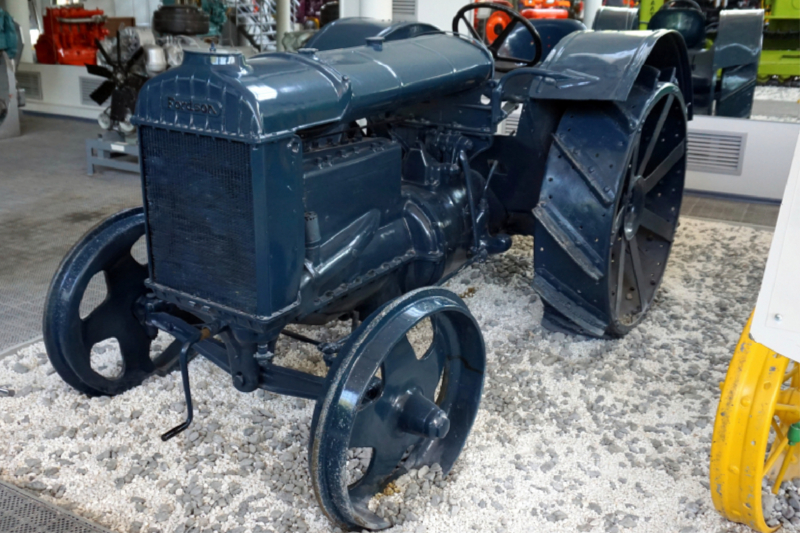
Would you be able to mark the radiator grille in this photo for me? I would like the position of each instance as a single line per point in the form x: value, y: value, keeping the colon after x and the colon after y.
x: 200, y: 216
x: 32, y: 83
x: 718, y: 153
x: 404, y: 9
x: 88, y: 86
x: 511, y: 123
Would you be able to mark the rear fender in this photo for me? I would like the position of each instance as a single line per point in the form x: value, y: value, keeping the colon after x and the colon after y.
x: 604, y: 65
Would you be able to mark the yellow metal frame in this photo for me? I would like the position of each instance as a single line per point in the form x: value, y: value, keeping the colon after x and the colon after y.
x: 759, y: 397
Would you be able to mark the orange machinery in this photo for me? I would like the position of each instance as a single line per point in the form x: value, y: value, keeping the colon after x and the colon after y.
x: 530, y: 9
x: 70, y: 36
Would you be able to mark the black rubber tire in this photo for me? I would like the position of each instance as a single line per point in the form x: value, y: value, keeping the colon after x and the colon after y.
x: 583, y: 210
x: 181, y: 20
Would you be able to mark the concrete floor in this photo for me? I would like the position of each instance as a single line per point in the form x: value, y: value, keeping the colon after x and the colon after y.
x: 741, y: 212
x: 46, y: 203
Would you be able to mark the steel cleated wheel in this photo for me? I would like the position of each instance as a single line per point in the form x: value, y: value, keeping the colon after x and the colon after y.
x: 69, y: 338
x: 405, y: 389
x: 608, y: 209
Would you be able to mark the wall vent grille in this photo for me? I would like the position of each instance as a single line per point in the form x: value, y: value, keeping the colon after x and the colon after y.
x: 32, y: 83
x: 716, y: 153
x: 404, y: 9
x: 511, y: 123
x: 88, y: 86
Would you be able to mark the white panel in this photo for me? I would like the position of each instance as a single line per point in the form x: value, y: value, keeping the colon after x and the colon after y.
x: 377, y: 9
x: 765, y: 164
x: 107, y: 6
x: 440, y: 13
x: 349, y: 8
x: 590, y: 8
x: 776, y: 323
x: 141, y: 10
x: 61, y: 90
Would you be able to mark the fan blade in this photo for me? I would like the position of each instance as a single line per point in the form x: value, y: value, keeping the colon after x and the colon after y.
x: 103, y: 52
x: 97, y: 70
x: 102, y: 93
x: 136, y: 81
x: 134, y: 58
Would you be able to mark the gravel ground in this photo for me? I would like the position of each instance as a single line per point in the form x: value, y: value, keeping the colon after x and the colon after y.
x: 573, y: 434
x: 784, y: 94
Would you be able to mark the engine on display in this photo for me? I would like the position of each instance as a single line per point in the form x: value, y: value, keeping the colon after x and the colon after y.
x: 349, y: 184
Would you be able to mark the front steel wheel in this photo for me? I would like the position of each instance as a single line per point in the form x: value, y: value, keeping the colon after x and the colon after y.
x: 405, y: 391
x: 70, y: 338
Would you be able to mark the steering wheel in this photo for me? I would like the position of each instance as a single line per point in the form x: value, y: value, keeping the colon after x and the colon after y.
x: 494, y: 47
x: 691, y: 4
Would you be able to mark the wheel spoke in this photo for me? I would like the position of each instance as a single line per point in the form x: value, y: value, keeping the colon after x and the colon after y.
x: 657, y: 225
x: 101, y: 324
x: 665, y: 166
x: 618, y: 221
x: 656, y: 132
x: 787, y: 460
x: 367, y: 427
x: 621, y: 274
x: 638, y: 273
x: 777, y: 429
x: 775, y: 453
x: 431, y: 366
x: 788, y: 408
x: 401, y: 361
x: 385, y: 460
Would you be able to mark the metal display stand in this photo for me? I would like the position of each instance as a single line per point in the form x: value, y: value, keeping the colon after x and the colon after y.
x: 99, y: 153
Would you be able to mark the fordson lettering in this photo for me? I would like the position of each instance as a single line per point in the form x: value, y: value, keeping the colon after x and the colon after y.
x: 203, y: 108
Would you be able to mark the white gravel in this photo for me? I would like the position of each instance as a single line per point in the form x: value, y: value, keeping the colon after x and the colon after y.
x: 573, y: 434
x: 783, y: 94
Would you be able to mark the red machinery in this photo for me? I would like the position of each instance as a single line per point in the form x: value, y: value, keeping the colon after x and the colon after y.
x: 530, y: 9
x: 70, y: 36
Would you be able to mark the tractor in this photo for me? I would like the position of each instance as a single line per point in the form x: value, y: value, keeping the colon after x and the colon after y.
x: 348, y: 185
x: 724, y: 48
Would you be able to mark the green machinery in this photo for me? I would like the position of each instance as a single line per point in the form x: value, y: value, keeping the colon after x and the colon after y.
x: 780, y: 56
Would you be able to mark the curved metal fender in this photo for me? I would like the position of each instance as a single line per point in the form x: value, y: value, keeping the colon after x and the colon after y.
x: 616, y: 18
x: 600, y: 65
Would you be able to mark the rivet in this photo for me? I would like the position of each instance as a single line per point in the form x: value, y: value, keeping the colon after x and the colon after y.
x: 746, y: 401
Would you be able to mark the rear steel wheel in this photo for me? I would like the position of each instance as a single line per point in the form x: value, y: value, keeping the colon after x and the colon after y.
x: 756, y: 431
x: 608, y: 209
x: 69, y: 338
x: 411, y: 409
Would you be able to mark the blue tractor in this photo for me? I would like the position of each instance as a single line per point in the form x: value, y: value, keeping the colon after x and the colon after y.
x: 349, y: 184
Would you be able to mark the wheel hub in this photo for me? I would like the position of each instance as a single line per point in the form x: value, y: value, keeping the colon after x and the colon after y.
x: 635, y: 208
x: 422, y: 417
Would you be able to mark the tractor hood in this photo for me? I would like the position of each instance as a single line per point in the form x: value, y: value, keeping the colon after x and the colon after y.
x: 224, y: 95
